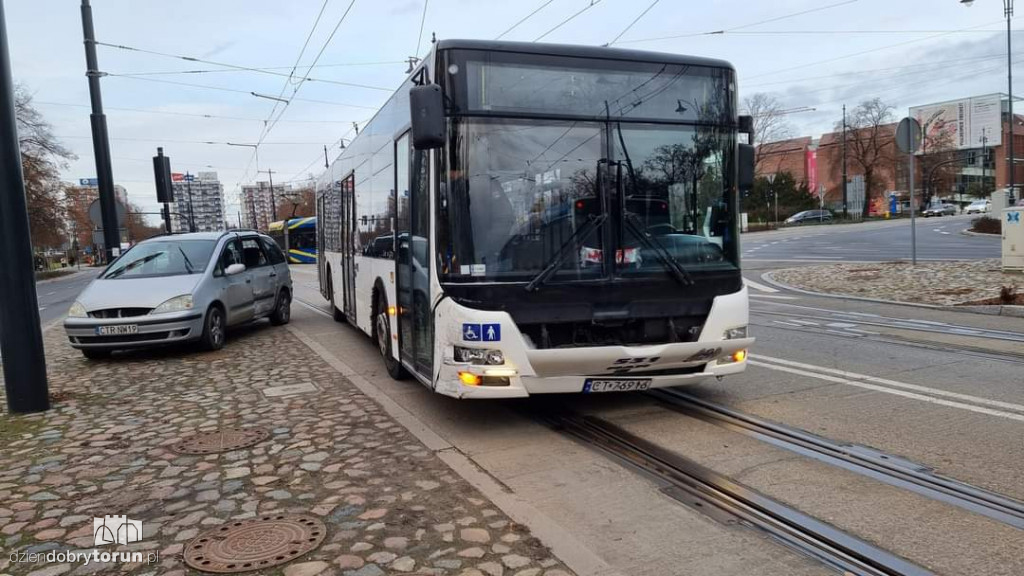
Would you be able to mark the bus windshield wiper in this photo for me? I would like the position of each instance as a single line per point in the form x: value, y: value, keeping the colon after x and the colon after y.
x: 678, y: 272
x: 572, y: 244
x: 631, y: 221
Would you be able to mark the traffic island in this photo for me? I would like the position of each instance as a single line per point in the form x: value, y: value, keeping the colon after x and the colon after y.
x: 978, y: 285
x: 257, y: 458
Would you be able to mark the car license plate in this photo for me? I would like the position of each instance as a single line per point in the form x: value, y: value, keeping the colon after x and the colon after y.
x: 593, y: 385
x: 117, y: 330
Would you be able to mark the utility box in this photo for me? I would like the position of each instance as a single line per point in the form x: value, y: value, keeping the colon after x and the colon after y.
x: 1013, y: 239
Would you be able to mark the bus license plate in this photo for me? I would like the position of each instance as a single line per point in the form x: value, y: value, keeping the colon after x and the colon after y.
x: 117, y: 330
x: 593, y: 385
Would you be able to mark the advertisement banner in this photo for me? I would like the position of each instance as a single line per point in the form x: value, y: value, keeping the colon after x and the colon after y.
x: 960, y: 124
x: 812, y: 170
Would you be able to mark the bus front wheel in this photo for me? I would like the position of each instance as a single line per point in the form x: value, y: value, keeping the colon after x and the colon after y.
x: 382, y: 332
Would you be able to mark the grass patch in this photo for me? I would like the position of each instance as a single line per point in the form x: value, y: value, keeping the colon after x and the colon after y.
x: 49, y: 274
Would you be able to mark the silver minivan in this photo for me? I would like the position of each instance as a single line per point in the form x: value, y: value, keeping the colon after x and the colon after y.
x: 181, y: 288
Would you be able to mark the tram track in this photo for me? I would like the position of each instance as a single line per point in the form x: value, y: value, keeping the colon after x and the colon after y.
x: 863, y: 460
x: 719, y: 496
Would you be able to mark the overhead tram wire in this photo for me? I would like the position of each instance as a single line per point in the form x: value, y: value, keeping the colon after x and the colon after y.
x: 238, y: 68
x: 423, y: 20
x: 260, y: 68
x: 234, y: 90
x: 863, y: 52
x: 525, y: 18
x: 741, y: 27
x: 208, y: 142
x: 571, y: 18
x: 635, y: 20
x: 931, y: 66
x: 191, y: 115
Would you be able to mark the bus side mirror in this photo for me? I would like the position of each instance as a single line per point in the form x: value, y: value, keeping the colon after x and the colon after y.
x: 746, y: 125
x: 745, y: 157
x: 427, y: 117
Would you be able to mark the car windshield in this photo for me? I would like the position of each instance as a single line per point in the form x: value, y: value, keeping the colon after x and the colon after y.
x: 162, y: 258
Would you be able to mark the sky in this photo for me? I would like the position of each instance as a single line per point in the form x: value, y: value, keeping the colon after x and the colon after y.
x: 817, y: 54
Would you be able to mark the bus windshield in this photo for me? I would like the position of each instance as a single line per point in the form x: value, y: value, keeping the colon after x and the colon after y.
x: 523, y: 193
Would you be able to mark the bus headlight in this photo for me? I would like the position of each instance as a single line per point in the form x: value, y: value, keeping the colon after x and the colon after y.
x: 479, y: 356
x: 735, y: 333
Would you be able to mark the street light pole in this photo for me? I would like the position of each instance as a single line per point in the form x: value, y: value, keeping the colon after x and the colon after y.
x: 845, y: 210
x: 273, y: 200
x: 21, y: 337
x: 1010, y: 160
x: 100, y: 141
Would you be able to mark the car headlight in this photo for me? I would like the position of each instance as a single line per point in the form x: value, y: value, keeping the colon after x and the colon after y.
x: 77, y: 311
x: 176, y: 304
x: 735, y: 333
x: 479, y: 356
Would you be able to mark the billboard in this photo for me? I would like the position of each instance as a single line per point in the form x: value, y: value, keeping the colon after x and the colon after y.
x: 960, y: 124
x: 179, y: 177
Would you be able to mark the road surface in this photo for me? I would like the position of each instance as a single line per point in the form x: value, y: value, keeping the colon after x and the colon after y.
x: 937, y: 239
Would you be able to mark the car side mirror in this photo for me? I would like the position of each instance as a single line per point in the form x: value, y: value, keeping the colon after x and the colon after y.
x: 745, y: 176
x: 427, y: 106
x: 234, y: 269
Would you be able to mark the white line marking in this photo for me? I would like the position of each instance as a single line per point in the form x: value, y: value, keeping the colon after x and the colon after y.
x: 786, y: 323
x: 840, y: 325
x: 910, y: 395
x: 819, y: 258
x: 41, y: 308
x: 774, y: 297
x: 805, y: 322
x: 893, y: 383
x: 760, y: 287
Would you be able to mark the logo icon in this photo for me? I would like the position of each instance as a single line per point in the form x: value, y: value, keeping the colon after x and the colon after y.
x: 116, y: 530
x: 1013, y: 217
x: 471, y: 332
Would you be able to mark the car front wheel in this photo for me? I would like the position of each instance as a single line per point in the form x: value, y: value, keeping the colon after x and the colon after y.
x: 214, y: 329
x: 282, y: 310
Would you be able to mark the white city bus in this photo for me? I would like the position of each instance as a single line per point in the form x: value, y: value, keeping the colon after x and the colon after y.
x: 528, y: 218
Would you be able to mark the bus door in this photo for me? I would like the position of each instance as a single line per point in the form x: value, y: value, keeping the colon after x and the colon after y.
x: 348, y: 246
x: 321, y: 262
x: 412, y: 254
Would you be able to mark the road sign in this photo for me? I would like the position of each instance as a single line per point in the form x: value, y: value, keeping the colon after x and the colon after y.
x: 97, y: 220
x: 908, y: 135
x: 93, y: 182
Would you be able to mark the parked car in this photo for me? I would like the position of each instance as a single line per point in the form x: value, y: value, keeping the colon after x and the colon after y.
x: 181, y: 288
x: 939, y: 210
x: 979, y: 207
x: 809, y: 216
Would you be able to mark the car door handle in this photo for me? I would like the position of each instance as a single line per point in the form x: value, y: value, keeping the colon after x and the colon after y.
x: 272, y: 274
x: 248, y: 280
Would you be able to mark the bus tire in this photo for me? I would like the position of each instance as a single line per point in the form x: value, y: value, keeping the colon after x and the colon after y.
x: 382, y: 334
x: 338, y: 315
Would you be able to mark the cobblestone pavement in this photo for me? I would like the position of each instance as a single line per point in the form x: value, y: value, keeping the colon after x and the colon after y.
x: 389, y: 504
x: 943, y: 283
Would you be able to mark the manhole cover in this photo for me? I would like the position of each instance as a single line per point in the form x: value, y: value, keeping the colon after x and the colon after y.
x: 255, y: 544
x: 223, y: 440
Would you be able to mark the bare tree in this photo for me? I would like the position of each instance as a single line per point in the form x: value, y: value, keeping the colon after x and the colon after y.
x: 870, y: 145
x: 42, y: 157
x: 770, y: 123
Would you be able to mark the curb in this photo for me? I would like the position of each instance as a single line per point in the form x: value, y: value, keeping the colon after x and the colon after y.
x: 993, y: 310
x: 769, y: 278
x: 966, y: 232
x: 576, y: 556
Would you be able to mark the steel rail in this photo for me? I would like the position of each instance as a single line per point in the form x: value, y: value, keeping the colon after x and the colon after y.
x: 886, y: 468
x: 697, y: 486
